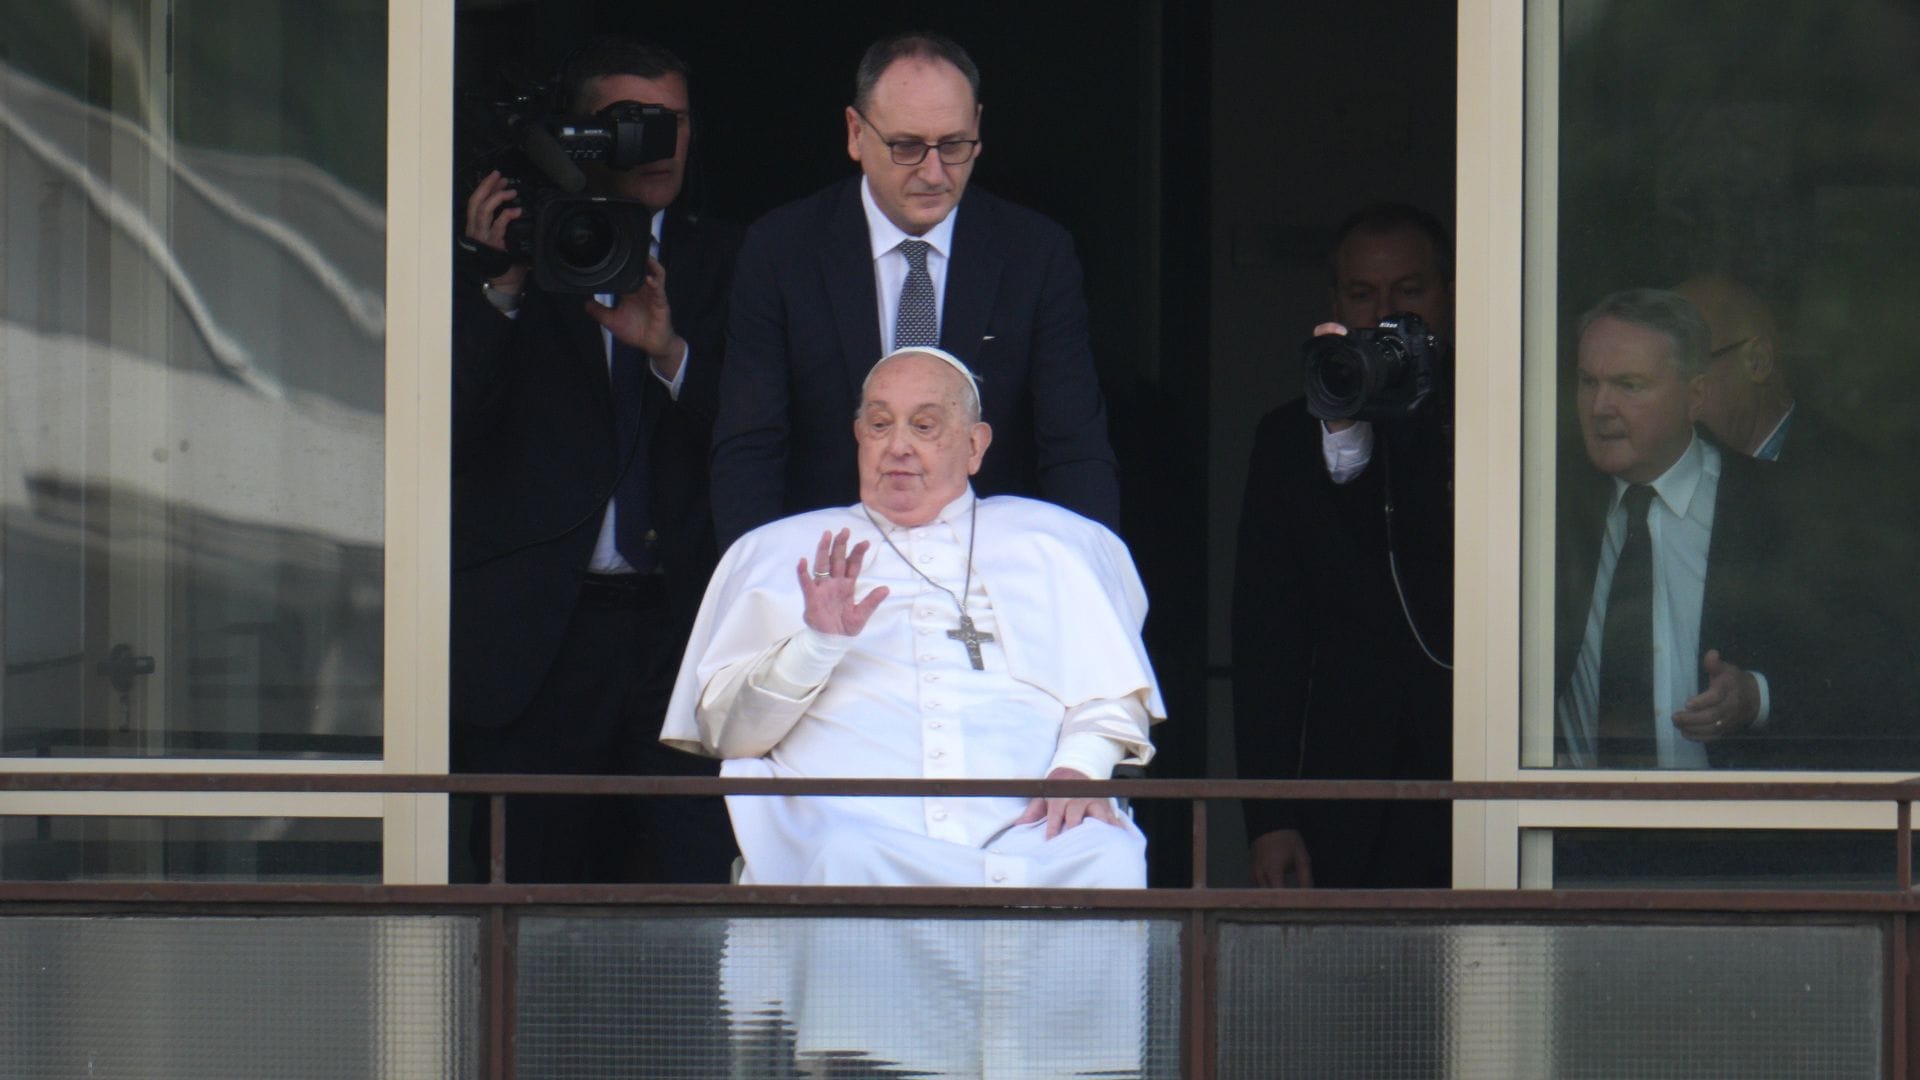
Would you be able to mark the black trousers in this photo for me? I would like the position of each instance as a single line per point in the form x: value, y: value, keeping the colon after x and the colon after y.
x: 598, y: 711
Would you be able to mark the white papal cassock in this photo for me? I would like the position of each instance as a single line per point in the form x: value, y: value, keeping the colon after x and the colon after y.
x: 1066, y: 682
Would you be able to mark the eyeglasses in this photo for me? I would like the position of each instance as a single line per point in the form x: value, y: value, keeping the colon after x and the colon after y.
x: 1730, y: 346
x: 913, y: 151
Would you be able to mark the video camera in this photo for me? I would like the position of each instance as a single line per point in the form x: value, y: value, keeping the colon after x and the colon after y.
x: 1388, y: 372
x: 576, y: 242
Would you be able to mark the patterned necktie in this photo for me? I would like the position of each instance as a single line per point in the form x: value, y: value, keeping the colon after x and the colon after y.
x: 1626, y: 647
x: 632, y: 497
x: 916, y: 323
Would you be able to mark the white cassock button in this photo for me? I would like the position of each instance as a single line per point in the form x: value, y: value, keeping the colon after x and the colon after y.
x: 998, y: 877
x: 935, y: 724
x: 924, y: 631
x: 927, y: 657
x: 939, y: 815
x: 931, y: 678
x: 926, y: 558
x: 937, y: 754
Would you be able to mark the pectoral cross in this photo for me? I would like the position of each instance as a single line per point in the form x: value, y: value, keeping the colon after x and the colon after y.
x: 972, y: 638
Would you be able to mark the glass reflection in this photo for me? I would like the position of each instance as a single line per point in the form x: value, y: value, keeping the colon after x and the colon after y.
x: 192, y: 245
x: 1762, y: 172
x: 690, y: 994
x: 1857, y: 859
x: 189, y: 849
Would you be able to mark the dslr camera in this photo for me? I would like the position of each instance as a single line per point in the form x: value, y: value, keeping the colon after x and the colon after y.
x: 576, y: 242
x: 1387, y: 372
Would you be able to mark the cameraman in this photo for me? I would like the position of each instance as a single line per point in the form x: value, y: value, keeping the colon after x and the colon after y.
x: 582, y: 537
x: 1339, y: 654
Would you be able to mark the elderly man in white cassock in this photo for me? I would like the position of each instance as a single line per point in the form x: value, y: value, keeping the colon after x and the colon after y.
x: 931, y: 634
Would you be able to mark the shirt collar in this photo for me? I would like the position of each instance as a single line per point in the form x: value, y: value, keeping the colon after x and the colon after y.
x: 1770, y: 446
x: 886, y: 236
x: 1677, y: 486
x: 953, y: 515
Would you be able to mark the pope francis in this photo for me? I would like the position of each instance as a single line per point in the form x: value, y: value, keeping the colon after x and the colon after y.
x: 930, y: 634
x: 996, y: 638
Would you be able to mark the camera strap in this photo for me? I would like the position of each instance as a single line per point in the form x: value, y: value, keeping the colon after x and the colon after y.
x: 1383, y: 450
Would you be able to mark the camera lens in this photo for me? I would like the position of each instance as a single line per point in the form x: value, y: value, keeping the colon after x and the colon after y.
x: 591, y: 244
x: 1371, y: 373
x: 584, y: 241
x: 1340, y: 375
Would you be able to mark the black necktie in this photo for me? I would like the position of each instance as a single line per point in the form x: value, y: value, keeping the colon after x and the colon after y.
x: 1626, y: 646
x: 916, y: 323
x: 632, y: 497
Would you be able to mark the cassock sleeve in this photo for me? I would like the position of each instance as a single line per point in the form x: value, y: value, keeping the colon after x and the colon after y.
x: 750, y: 705
x: 1098, y: 735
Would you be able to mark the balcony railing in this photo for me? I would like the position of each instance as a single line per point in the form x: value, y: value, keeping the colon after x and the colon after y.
x: 1212, y: 981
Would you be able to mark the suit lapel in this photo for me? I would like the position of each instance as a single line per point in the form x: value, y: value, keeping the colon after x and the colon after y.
x: 973, y: 277
x: 1580, y: 535
x: 685, y: 258
x: 1734, y: 552
x: 589, y: 347
x: 846, y: 266
x: 672, y: 231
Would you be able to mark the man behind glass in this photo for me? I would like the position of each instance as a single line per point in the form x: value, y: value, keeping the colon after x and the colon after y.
x: 1696, y: 627
x: 581, y: 529
x: 1747, y: 401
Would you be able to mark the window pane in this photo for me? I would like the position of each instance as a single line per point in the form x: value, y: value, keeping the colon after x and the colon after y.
x: 207, y: 998
x: 192, y: 245
x: 1756, y: 174
x: 1717, y: 859
x: 189, y: 849
x: 610, y: 996
x: 1625, y: 1002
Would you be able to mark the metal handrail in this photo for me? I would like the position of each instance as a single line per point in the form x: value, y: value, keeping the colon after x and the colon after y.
x: 1188, y: 789
x: 499, y: 902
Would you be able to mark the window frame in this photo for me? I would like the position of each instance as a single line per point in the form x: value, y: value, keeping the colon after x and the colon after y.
x: 417, y: 473
x: 1507, y: 189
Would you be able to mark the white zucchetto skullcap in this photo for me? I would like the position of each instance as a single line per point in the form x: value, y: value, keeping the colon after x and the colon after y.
x: 942, y: 355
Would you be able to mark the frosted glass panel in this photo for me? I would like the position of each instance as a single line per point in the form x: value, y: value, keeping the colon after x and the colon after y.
x: 763, y: 997
x: 144, y: 998
x: 1625, y: 1002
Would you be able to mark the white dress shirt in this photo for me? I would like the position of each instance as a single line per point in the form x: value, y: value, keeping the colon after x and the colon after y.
x: 1348, y: 451
x: 1680, y: 530
x: 890, y: 266
x: 606, y: 556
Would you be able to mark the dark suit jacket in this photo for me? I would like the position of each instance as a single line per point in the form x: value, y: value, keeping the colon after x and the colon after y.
x: 804, y: 331
x: 534, y: 463
x: 1328, y: 681
x: 1781, y: 599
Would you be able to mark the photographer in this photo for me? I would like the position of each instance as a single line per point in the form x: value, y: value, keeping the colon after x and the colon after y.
x: 582, y: 536
x: 1343, y: 585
